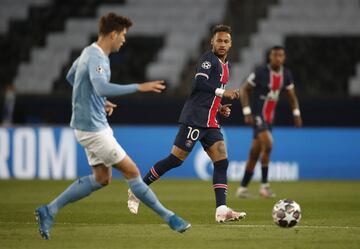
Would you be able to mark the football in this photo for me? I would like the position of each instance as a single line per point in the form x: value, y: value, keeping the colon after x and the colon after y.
x: 286, y: 213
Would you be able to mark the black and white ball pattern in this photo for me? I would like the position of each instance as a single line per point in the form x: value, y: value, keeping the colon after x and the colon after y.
x: 286, y: 213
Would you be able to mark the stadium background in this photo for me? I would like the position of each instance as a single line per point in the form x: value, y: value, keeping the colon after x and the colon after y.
x: 39, y: 40
x: 316, y: 165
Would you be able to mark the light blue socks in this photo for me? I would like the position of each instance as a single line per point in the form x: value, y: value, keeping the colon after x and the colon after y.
x: 147, y: 196
x: 79, y: 189
x: 87, y: 184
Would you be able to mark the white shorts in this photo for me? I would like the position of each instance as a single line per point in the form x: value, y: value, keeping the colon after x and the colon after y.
x: 101, y: 147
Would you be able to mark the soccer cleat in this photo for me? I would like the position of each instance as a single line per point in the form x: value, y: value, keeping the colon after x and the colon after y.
x: 266, y: 192
x: 224, y: 213
x: 44, y: 220
x: 244, y: 193
x: 178, y: 224
x: 133, y: 202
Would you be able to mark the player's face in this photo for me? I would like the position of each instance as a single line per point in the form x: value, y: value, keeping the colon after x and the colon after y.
x: 277, y: 58
x: 118, y: 40
x: 221, y: 43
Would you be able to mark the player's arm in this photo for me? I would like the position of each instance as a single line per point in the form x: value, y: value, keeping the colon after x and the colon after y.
x: 202, y: 84
x: 107, y: 89
x: 70, y: 77
x: 245, y: 95
x: 202, y: 80
x: 294, y: 105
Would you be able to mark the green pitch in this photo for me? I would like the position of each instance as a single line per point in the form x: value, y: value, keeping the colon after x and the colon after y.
x: 331, y: 217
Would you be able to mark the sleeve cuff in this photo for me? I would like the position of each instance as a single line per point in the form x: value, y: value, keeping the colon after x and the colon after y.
x: 219, y: 92
x: 291, y: 86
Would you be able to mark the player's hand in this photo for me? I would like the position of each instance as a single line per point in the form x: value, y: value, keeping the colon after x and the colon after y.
x: 231, y: 94
x: 109, y: 107
x: 152, y: 86
x: 248, y: 119
x: 298, y: 121
x: 225, y: 110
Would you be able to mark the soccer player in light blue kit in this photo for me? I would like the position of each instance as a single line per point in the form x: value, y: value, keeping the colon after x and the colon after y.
x: 89, y: 76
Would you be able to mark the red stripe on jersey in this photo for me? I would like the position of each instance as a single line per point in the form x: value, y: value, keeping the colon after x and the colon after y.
x: 212, y: 122
x: 276, y: 80
x: 270, y: 104
x: 225, y: 73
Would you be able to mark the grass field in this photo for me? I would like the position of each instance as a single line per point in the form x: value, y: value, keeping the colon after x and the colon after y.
x: 331, y: 217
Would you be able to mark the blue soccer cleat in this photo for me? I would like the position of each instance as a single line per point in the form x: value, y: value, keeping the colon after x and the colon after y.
x: 44, y: 220
x: 178, y: 224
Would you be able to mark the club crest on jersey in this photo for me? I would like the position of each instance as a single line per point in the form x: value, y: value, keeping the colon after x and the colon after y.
x: 206, y: 65
x: 100, y: 70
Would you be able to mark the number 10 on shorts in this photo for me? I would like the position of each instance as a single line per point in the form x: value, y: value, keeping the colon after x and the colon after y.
x: 193, y: 134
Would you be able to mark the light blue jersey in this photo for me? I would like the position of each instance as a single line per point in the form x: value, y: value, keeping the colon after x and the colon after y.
x: 90, y: 76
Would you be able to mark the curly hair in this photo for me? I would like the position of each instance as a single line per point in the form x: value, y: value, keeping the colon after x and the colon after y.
x: 112, y: 22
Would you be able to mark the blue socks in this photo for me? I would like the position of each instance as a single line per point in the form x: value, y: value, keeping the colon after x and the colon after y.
x: 147, y: 196
x: 87, y: 184
x: 79, y: 189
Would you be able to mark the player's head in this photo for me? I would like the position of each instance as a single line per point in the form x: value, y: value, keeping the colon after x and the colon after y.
x: 114, y: 27
x: 221, y: 40
x: 276, y: 56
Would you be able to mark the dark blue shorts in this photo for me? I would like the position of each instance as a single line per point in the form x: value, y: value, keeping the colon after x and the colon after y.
x: 189, y: 135
x: 260, y: 125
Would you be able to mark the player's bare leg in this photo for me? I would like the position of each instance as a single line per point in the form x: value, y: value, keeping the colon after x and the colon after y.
x: 266, y: 142
x: 254, y: 154
x: 102, y: 174
x: 174, y: 160
x: 218, y: 154
x: 142, y: 191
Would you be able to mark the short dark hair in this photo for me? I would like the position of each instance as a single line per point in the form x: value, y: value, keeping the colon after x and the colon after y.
x: 221, y: 28
x: 273, y: 48
x: 112, y: 22
x: 276, y: 47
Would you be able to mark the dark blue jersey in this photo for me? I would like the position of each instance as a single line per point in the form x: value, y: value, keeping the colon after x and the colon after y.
x: 201, y: 107
x: 267, y: 86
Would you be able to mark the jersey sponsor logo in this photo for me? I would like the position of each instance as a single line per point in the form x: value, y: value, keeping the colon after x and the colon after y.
x: 273, y: 95
x: 100, y: 70
x: 206, y: 65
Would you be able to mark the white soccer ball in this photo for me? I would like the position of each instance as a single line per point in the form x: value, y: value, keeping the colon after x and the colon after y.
x: 286, y: 213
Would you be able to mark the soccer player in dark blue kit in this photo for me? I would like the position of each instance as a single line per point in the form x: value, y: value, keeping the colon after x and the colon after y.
x: 259, y: 96
x: 198, y: 122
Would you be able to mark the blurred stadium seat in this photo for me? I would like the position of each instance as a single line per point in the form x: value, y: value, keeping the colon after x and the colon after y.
x: 190, y: 18
x: 290, y: 17
x: 41, y: 38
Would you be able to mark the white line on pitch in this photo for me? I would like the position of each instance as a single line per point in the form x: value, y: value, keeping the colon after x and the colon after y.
x: 195, y: 225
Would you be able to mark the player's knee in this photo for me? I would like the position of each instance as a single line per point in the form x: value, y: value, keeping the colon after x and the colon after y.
x: 254, y: 155
x: 267, y: 148
x: 131, y: 172
x: 104, y: 180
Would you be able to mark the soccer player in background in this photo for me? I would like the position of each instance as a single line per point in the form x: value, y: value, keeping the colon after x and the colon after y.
x: 259, y: 96
x: 198, y: 122
x: 89, y: 76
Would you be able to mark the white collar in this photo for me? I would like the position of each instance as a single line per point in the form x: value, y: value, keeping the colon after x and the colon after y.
x: 98, y: 47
